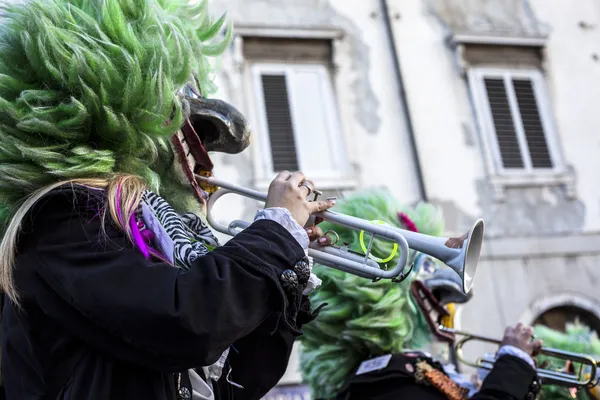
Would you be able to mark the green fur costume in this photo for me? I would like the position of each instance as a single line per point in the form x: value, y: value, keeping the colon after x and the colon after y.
x: 577, y: 338
x: 89, y: 88
x: 363, y: 318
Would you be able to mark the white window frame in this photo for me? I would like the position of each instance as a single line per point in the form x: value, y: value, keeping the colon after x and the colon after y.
x: 527, y: 176
x: 335, y: 178
x: 484, y: 115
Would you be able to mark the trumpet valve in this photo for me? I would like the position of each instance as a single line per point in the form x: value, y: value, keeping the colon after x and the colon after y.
x: 317, y: 193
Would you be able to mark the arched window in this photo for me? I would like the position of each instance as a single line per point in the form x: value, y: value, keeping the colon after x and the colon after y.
x: 558, y: 309
x: 557, y: 318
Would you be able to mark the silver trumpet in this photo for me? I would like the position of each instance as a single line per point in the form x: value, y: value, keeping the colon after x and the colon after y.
x: 461, y: 254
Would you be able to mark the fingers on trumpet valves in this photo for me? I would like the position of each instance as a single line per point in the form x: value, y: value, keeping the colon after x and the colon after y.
x: 320, y: 206
x: 537, y: 347
x: 309, y: 186
x: 329, y: 238
x: 297, y: 178
x: 314, y: 233
x: 283, y: 176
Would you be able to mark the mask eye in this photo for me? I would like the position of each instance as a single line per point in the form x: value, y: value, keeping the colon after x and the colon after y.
x: 189, y: 91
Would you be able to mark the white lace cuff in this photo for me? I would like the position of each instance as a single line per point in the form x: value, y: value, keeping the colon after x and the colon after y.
x: 508, y: 350
x: 283, y: 217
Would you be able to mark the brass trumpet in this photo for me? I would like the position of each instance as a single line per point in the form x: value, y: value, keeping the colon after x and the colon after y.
x: 585, y: 377
x: 461, y: 254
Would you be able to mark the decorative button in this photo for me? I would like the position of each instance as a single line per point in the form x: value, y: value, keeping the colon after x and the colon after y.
x: 534, y: 389
x: 302, y: 270
x: 184, y: 394
x: 289, y: 281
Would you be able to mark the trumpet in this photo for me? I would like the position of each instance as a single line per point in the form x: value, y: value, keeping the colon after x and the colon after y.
x: 584, y: 378
x: 461, y: 254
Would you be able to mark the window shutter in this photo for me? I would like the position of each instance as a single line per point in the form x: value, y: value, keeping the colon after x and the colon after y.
x: 296, y: 51
x: 279, y: 123
x: 313, y: 112
x: 508, y: 143
x: 503, y: 56
x: 532, y: 124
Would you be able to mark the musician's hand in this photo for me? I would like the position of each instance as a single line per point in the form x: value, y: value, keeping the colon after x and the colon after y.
x: 286, y: 191
x: 316, y: 234
x: 520, y: 337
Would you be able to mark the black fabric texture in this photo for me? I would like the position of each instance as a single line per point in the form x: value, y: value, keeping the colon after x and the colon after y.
x: 509, y: 380
x: 99, y: 321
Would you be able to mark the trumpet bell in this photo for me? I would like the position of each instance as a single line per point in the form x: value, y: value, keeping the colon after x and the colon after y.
x: 466, y: 264
x: 461, y: 254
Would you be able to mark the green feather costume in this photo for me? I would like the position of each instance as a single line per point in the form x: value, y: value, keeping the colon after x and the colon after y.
x: 89, y: 88
x: 363, y: 319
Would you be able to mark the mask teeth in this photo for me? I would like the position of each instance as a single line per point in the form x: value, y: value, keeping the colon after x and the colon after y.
x: 191, y: 161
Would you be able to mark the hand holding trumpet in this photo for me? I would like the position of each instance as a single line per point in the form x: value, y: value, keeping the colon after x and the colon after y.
x: 290, y: 191
x: 521, y: 337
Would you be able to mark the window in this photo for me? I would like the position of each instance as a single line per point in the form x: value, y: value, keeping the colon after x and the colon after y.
x: 514, y: 116
x: 299, y: 119
x: 557, y: 318
x: 296, y: 115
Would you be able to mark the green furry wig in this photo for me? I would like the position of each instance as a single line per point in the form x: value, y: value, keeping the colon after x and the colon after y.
x: 89, y: 88
x: 577, y: 338
x: 363, y: 318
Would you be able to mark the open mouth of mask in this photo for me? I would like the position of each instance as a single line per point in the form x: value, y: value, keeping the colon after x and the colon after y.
x: 211, y: 125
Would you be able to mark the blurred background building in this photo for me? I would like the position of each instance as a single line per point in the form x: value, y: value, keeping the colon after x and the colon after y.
x: 487, y: 108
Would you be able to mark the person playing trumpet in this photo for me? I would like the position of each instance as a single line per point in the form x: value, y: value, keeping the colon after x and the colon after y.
x: 380, y: 340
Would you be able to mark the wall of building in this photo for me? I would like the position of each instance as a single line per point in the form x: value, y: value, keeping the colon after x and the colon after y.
x: 442, y: 110
x: 573, y: 65
x: 373, y: 125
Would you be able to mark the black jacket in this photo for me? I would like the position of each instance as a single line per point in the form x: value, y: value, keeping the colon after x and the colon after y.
x: 511, y: 379
x: 100, y: 322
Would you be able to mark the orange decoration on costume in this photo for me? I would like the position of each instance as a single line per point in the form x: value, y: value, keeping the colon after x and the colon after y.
x: 440, y: 381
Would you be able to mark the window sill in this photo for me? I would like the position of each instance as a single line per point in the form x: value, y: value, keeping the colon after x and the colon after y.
x: 526, y: 180
x: 322, y: 184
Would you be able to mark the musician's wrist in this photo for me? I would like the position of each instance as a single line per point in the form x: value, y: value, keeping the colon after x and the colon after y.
x: 284, y: 218
x: 510, y: 350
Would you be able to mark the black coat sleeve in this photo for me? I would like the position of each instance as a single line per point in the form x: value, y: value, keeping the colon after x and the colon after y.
x: 259, y: 360
x: 510, y: 379
x: 103, y: 291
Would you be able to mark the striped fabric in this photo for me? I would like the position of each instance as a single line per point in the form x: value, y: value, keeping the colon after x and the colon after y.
x: 189, y: 233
